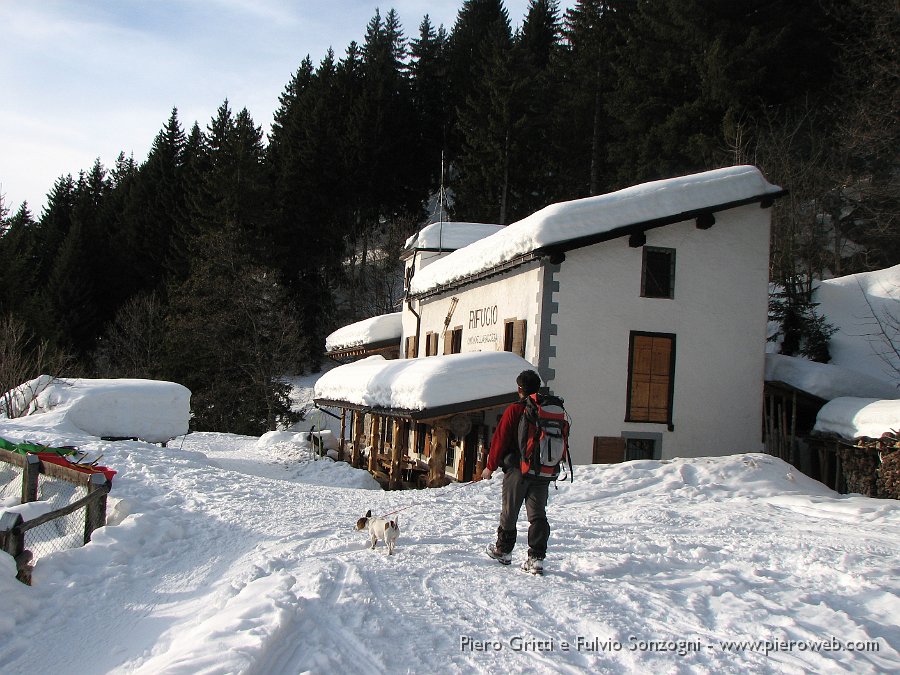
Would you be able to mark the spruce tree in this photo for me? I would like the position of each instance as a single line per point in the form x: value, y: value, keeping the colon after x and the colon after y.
x: 482, y: 87
x: 231, y: 337
x: 430, y: 98
x: 20, y: 254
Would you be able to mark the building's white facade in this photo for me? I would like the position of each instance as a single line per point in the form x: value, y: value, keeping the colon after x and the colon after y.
x: 645, y: 309
x: 581, y: 311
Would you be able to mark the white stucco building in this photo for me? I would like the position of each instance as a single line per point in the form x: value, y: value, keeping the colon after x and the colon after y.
x: 645, y: 309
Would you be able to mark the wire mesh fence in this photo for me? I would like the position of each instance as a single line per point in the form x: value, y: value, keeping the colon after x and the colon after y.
x: 66, y: 502
x: 10, y: 484
x: 61, y: 533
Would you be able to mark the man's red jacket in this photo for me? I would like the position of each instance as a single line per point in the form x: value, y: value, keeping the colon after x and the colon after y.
x: 506, y: 435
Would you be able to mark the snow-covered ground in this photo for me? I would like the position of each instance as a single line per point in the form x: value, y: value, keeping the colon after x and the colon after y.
x: 225, y: 555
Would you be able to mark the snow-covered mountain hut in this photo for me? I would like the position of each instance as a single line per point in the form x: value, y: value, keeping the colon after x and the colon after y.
x: 379, y: 335
x: 645, y: 309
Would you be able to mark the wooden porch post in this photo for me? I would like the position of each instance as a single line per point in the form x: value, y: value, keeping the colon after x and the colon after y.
x: 398, y: 451
x: 343, y: 431
x: 374, y: 443
x: 437, y: 475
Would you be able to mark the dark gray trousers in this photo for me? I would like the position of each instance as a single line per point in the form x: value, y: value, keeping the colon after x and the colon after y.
x: 517, y: 491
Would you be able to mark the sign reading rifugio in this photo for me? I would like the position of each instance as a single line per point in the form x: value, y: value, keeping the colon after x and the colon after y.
x: 482, y: 326
x: 483, y: 317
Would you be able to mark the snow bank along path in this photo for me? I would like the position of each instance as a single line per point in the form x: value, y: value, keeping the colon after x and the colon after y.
x: 227, y: 560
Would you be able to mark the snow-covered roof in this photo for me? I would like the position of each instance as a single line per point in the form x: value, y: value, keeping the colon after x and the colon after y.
x: 424, y: 387
x: 377, y: 329
x: 864, y: 309
x: 567, y: 221
x: 151, y: 410
x: 853, y: 418
x: 855, y: 305
x: 448, y: 236
x: 826, y: 380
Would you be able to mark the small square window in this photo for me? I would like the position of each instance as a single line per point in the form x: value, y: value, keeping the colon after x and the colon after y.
x: 658, y: 277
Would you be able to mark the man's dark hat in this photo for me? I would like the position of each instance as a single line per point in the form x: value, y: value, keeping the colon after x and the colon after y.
x: 530, y: 381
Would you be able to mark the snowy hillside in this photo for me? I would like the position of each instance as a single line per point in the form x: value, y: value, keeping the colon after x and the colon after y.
x: 226, y: 556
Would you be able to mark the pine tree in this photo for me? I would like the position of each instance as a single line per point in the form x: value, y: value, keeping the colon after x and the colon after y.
x: 20, y: 255
x: 482, y: 84
x: 430, y: 98
x: 532, y: 173
x: 585, y: 77
x: 691, y: 72
x: 231, y: 336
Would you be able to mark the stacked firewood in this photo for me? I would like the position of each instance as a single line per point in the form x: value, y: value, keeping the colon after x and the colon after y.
x: 888, y: 448
x: 871, y: 466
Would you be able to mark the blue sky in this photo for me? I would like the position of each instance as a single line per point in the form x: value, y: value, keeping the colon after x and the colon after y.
x: 86, y: 79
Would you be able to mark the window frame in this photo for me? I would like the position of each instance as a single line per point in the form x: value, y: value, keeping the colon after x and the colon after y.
x: 645, y: 270
x: 670, y: 402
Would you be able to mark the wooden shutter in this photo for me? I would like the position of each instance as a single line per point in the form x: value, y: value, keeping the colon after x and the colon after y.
x: 651, y: 378
x: 411, y: 347
x: 609, y: 450
x: 518, y: 342
x: 433, y: 343
x: 448, y: 342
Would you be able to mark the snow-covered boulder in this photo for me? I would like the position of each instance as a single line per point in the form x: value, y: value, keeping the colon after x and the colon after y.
x: 151, y: 410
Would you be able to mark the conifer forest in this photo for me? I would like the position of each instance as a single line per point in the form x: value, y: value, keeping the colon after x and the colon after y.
x: 224, y: 259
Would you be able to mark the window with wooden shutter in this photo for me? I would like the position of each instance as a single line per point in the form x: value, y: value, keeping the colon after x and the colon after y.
x: 608, y: 450
x: 453, y: 341
x: 431, y: 344
x: 651, y: 371
x: 411, y: 347
x: 514, y: 336
x: 456, y: 342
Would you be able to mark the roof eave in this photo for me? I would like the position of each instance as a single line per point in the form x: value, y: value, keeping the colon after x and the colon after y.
x: 765, y: 201
x: 432, y: 413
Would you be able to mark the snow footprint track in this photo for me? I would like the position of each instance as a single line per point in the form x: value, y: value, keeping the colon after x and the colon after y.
x: 326, y: 634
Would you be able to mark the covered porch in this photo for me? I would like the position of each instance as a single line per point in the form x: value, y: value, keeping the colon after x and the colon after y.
x: 421, y: 422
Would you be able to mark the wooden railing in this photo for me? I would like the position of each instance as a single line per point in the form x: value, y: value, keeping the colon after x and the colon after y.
x: 13, y: 527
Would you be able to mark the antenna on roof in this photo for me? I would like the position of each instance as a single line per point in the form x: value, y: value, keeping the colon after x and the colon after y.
x: 441, y: 206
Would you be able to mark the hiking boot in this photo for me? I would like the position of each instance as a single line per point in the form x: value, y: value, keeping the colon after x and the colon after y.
x: 498, y: 555
x: 533, y: 565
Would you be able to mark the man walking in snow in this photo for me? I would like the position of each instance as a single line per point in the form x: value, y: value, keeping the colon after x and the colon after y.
x: 505, y: 454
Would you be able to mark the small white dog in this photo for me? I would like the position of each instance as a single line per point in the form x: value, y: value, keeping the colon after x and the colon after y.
x: 380, y: 528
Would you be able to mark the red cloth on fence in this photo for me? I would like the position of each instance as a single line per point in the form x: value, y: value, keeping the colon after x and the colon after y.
x: 53, y: 458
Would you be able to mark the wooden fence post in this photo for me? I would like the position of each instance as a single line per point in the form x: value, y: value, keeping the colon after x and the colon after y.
x: 12, y: 541
x: 95, y: 511
x: 30, y: 472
